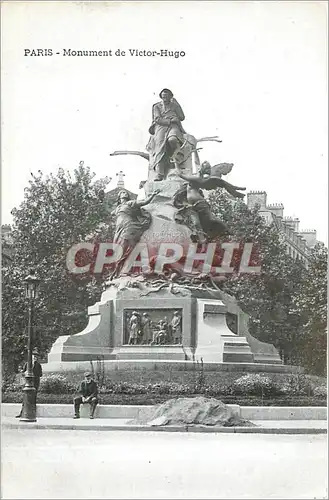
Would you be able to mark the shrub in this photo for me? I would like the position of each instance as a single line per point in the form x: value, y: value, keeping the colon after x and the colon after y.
x: 12, y: 387
x: 56, y: 384
x: 98, y: 372
x: 214, y: 390
x: 320, y: 391
x: 255, y: 384
x: 14, y: 383
x: 110, y: 387
x: 178, y: 389
x: 174, y: 388
x: 297, y: 384
x: 8, y: 380
x: 158, y: 388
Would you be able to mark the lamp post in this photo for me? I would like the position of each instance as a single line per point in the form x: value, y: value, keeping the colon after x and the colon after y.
x: 29, y: 392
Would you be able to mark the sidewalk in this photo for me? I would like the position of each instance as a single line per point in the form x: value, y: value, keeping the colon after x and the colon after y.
x: 113, y: 424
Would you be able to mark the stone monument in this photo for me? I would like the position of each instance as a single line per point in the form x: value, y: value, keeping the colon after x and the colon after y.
x: 168, y: 310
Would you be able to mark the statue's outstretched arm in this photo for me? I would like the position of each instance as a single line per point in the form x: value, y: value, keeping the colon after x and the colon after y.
x: 189, y: 178
x: 147, y: 200
x: 136, y: 153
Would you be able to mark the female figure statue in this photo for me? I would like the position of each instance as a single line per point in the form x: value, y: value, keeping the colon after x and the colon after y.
x: 134, y: 327
x: 131, y: 220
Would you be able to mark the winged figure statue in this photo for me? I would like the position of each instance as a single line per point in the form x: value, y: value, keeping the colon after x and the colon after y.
x: 194, y: 210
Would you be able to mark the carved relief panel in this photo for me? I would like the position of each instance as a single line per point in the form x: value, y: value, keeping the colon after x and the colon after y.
x: 152, y: 326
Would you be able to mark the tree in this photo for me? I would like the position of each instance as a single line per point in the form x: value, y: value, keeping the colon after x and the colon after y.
x: 313, y: 303
x: 57, y: 211
x: 270, y: 297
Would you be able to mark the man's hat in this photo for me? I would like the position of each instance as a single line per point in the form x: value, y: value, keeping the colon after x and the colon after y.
x: 88, y: 374
x: 167, y: 90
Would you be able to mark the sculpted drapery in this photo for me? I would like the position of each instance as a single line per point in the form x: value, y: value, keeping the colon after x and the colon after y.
x: 167, y: 133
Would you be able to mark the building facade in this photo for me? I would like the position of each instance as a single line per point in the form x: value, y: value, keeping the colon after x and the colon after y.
x: 298, y: 242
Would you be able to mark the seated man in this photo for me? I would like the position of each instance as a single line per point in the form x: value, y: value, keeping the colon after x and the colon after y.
x: 87, y: 394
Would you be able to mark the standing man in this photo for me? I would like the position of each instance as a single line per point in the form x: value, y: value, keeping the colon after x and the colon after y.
x: 88, y: 393
x: 37, y: 374
x: 37, y: 370
x: 176, y: 327
x: 146, y: 328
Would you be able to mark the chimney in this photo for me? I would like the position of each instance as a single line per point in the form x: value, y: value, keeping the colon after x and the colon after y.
x: 292, y: 222
x: 120, y: 183
x: 276, y: 209
x: 309, y: 236
x: 5, y: 228
x: 257, y: 198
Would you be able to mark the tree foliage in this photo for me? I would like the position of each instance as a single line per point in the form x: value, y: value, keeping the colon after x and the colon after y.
x: 286, y: 301
x: 313, y: 302
x: 57, y: 211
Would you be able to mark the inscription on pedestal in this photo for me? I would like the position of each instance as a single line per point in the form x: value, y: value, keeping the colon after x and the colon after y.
x: 214, y: 309
x: 152, y: 327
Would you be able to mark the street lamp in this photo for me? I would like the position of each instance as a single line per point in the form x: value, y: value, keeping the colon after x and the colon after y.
x: 29, y: 392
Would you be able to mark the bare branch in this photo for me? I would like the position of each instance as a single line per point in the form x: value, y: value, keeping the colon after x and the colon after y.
x: 214, y: 138
x: 136, y: 153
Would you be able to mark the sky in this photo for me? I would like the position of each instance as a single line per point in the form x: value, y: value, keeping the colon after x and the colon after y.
x: 254, y: 73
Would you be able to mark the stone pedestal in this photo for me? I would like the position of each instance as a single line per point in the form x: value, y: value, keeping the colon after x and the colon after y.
x: 215, y: 342
x: 262, y: 351
x: 94, y: 341
x: 204, y: 330
x: 152, y: 352
x: 107, y: 334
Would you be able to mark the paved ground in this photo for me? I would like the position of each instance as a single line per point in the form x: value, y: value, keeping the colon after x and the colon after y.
x: 265, y: 426
x: 52, y: 464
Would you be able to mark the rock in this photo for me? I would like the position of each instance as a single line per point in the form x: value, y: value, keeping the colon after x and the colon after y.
x: 191, y: 411
x: 158, y: 421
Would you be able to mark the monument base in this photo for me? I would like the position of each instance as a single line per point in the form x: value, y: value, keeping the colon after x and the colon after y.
x: 152, y: 352
x: 202, y: 334
x: 164, y: 369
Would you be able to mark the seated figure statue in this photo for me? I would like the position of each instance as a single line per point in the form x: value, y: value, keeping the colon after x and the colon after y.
x: 167, y: 134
